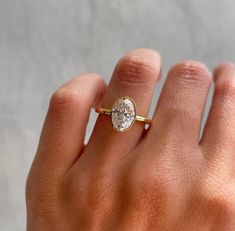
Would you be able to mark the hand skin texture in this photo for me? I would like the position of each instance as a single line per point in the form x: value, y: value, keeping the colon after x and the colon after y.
x: 163, y: 178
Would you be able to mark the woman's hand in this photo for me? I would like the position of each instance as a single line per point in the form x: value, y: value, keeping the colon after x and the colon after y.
x: 162, y: 178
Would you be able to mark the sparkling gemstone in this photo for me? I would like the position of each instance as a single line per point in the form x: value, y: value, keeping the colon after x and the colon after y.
x: 123, y: 114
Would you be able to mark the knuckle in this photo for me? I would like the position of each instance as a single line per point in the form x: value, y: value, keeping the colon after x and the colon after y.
x: 39, y: 203
x: 92, y: 76
x: 40, y: 199
x: 223, y: 70
x: 91, y: 192
x: 31, y: 191
x: 218, y: 202
x: 217, y: 197
x: 190, y: 72
x: 146, y: 183
x: 149, y: 188
x: 64, y: 99
x: 134, y: 69
x: 95, y: 198
x: 222, y: 67
x: 226, y: 88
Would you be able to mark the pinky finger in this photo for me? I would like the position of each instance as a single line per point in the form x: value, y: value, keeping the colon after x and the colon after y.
x: 63, y: 133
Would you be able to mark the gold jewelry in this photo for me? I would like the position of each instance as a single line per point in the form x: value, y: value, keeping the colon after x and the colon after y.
x: 123, y: 114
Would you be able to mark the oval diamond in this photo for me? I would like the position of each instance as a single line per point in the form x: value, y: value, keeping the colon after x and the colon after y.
x: 123, y: 114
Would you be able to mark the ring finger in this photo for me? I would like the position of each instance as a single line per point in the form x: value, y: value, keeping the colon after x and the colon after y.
x: 135, y: 76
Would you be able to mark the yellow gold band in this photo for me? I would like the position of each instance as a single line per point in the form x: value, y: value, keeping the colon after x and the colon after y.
x: 137, y: 118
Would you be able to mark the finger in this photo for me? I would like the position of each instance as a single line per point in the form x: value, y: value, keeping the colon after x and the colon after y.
x: 181, y: 104
x: 135, y: 76
x: 63, y: 133
x: 219, y: 131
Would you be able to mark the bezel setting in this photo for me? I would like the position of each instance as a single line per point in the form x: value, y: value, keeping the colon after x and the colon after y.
x: 123, y: 114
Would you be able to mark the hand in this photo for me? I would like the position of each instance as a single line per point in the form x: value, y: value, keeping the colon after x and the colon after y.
x: 161, y: 178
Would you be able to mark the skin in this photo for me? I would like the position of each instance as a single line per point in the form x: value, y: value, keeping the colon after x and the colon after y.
x: 161, y: 178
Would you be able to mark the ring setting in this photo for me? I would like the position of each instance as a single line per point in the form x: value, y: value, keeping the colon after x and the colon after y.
x: 123, y: 114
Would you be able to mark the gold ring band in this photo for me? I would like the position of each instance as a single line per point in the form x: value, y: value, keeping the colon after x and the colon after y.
x: 123, y: 114
x: 137, y: 118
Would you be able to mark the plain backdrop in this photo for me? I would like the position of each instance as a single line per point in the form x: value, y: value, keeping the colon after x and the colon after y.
x: 43, y: 43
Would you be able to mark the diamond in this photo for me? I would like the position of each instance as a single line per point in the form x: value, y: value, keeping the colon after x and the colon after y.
x: 123, y: 114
